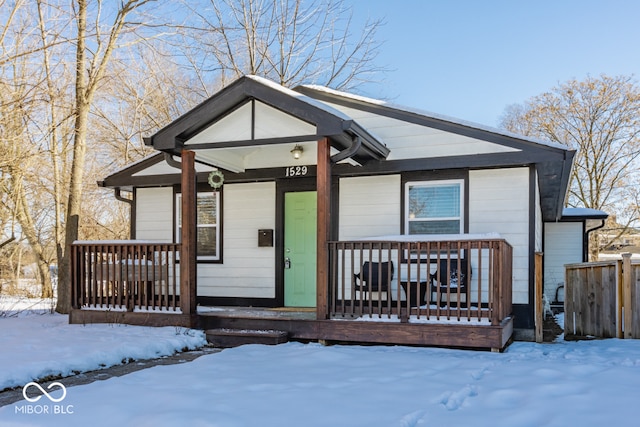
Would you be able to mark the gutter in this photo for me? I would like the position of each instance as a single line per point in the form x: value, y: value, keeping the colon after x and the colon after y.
x: 172, y: 162
x: 120, y: 197
x: 356, y: 143
x: 117, y: 193
x: 376, y: 148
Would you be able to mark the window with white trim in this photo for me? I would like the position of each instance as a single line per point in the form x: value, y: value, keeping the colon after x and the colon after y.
x: 208, y: 221
x: 434, y: 207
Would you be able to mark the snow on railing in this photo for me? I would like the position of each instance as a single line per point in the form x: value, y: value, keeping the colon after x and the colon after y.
x: 419, y: 278
x: 125, y: 275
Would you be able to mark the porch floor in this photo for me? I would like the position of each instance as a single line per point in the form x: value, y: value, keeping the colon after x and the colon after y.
x: 286, y: 313
x: 301, y: 324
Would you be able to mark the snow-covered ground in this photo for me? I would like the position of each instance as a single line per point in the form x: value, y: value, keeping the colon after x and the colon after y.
x: 36, y: 343
x: 591, y: 383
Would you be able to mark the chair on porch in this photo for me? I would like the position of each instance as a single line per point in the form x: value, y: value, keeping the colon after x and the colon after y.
x: 374, y: 277
x: 451, y: 276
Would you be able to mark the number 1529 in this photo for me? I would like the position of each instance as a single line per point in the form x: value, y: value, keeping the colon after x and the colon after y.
x: 296, y: 171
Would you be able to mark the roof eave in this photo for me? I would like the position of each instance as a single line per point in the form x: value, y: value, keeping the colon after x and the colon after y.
x: 567, y: 168
x: 169, y: 138
x: 371, y: 147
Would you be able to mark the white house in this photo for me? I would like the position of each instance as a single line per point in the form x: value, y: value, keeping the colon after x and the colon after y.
x: 394, y: 172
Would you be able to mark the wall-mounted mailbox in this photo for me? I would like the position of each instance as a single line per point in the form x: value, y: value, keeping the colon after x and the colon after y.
x: 265, y: 238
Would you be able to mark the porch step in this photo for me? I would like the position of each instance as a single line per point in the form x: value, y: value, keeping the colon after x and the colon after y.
x: 226, y: 338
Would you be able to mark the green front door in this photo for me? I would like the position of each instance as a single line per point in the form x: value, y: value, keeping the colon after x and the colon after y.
x: 300, y: 249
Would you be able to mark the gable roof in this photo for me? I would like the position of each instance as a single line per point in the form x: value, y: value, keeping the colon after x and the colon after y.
x: 282, y: 103
x: 254, y: 112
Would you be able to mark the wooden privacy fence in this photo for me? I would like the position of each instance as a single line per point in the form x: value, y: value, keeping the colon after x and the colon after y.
x: 602, y: 299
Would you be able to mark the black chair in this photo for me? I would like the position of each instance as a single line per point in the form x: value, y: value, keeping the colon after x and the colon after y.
x: 451, y: 275
x: 374, y: 277
x: 411, y: 291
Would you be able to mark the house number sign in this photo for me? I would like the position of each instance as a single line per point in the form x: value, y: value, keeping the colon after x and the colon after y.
x: 293, y: 171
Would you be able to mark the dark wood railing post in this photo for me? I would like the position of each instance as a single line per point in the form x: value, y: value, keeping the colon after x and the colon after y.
x: 323, y: 187
x: 188, y: 276
x: 74, y: 279
x: 496, y: 284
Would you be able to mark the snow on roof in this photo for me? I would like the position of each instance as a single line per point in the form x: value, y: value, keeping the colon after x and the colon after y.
x: 584, y: 213
x: 301, y: 97
x: 346, y: 94
x: 436, y: 116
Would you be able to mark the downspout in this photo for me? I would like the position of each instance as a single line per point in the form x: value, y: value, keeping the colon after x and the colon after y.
x: 132, y: 227
x: 172, y: 162
x: 585, y: 244
x: 117, y: 192
x: 120, y: 197
x: 348, y: 152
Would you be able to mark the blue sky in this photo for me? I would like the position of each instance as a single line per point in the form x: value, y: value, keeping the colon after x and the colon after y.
x: 469, y: 59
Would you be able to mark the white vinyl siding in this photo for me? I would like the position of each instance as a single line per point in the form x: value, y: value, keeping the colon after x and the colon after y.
x: 369, y: 206
x: 412, y: 141
x: 562, y: 245
x: 154, y: 214
x: 499, y: 203
x: 248, y: 270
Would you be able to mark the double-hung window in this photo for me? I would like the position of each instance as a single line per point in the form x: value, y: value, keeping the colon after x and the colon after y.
x: 208, y: 224
x: 434, y: 207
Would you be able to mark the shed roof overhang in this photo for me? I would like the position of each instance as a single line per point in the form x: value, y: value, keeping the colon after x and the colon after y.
x: 552, y: 161
x: 255, y: 112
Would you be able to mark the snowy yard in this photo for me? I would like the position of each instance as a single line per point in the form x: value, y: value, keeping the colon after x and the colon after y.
x: 561, y: 384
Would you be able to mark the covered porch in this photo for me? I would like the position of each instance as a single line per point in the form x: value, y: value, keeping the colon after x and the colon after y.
x: 447, y: 290
x: 139, y: 283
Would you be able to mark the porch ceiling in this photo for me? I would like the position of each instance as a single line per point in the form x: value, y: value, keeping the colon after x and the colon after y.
x: 253, y: 136
x: 233, y: 128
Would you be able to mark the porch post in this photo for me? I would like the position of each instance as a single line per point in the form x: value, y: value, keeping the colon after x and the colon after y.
x: 323, y: 186
x: 188, y: 277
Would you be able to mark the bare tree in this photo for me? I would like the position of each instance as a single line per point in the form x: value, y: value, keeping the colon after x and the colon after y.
x: 91, y: 65
x: 289, y: 41
x: 598, y: 117
x: 19, y: 162
x: 56, y: 128
x: 136, y: 107
x: 80, y: 75
x: 45, y: 129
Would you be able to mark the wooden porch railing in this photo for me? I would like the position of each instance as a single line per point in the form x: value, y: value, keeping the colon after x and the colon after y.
x: 125, y: 276
x: 442, y: 281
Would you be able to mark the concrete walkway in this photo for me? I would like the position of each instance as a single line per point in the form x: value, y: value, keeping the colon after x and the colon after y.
x: 13, y: 395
